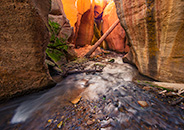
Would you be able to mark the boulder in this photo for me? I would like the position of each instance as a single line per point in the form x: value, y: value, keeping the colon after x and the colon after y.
x: 65, y: 28
x: 60, y: 18
x: 155, y: 29
x: 24, y: 38
x: 116, y: 40
x: 57, y: 8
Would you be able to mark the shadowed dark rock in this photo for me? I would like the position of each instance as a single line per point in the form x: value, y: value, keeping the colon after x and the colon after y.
x: 24, y: 38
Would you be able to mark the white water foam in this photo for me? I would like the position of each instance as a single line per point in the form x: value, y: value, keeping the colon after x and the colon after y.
x: 98, y: 84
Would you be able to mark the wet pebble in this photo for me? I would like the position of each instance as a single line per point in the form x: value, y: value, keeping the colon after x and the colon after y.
x: 142, y: 103
x: 90, y: 122
x: 147, y: 88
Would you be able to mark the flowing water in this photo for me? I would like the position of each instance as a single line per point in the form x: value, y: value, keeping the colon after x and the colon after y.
x: 109, y: 101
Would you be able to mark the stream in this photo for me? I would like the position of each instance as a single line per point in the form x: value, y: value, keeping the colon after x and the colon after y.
x: 107, y: 100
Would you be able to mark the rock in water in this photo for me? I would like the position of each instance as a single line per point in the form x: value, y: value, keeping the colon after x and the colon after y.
x: 156, y: 31
x: 142, y: 103
x: 24, y: 38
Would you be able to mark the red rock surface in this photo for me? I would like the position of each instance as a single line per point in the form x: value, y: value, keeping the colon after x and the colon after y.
x: 84, y: 31
x: 82, y: 20
x: 81, y: 52
x: 116, y: 39
x: 99, y: 7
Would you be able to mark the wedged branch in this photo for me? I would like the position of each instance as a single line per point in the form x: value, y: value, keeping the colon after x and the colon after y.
x: 102, y: 38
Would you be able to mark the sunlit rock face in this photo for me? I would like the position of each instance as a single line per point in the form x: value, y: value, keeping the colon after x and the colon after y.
x: 116, y: 39
x: 85, y: 22
x: 58, y: 15
x: 24, y: 38
x: 99, y: 7
x: 81, y: 16
x: 156, y: 32
x: 70, y: 10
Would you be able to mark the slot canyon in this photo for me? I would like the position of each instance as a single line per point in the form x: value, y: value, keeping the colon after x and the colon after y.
x: 91, y: 64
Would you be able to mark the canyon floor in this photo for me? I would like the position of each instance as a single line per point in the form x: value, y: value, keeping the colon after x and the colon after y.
x: 116, y: 98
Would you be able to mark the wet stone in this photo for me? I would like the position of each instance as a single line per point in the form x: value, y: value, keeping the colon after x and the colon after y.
x: 122, y: 92
x: 122, y: 109
x: 143, y: 103
x: 116, y: 93
x: 90, y: 122
x: 147, y: 88
x: 116, y: 103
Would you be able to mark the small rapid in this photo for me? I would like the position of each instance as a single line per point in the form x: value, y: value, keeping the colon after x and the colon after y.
x: 109, y: 100
x: 73, y: 86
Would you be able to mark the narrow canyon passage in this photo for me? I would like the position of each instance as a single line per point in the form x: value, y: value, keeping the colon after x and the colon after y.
x: 132, y: 81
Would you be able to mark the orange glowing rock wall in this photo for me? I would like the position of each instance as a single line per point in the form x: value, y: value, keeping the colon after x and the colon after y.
x: 81, y: 16
x: 85, y: 25
x: 99, y: 7
x: 82, y: 13
x: 70, y: 11
x: 116, y: 40
x: 83, y: 6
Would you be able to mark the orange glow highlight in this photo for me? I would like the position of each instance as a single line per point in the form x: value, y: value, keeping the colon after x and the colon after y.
x: 70, y: 11
x: 99, y: 7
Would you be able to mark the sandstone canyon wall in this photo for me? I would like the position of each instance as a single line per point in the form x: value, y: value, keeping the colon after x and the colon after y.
x: 70, y: 9
x: 85, y: 22
x: 155, y: 28
x: 81, y: 16
x: 58, y: 15
x: 23, y: 40
x: 116, y: 40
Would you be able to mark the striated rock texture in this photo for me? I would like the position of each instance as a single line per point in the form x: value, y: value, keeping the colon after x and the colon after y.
x: 116, y: 40
x: 155, y: 28
x: 24, y: 37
